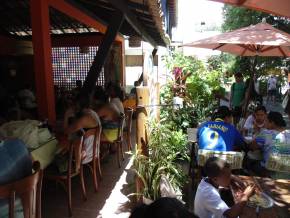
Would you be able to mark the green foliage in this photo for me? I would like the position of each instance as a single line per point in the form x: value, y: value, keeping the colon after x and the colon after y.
x: 222, y: 63
x: 198, y: 99
x: 238, y: 17
x: 166, y: 147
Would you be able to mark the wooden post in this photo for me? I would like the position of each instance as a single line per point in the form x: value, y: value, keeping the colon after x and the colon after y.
x: 142, y: 114
x: 42, y: 59
x: 99, y: 60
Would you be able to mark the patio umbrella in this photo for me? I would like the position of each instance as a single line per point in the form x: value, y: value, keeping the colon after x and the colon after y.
x: 277, y: 7
x: 256, y: 40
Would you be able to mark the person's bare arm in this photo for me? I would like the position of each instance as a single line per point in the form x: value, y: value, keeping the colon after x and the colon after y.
x: 254, y: 146
x: 237, y: 209
x: 77, y: 125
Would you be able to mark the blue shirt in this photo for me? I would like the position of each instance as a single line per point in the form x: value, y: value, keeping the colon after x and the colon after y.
x: 218, y: 136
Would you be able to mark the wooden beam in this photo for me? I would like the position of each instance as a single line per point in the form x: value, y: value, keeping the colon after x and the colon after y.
x: 75, y: 10
x: 132, y: 20
x: 42, y: 59
x: 99, y: 60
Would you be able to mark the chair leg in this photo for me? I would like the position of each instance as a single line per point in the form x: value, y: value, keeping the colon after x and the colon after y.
x: 69, y: 197
x: 118, y: 154
x: 99, y: 167
x: 95, y: 174
x: 83, y: 182
x: 122, y: 152
x: 129, y: 143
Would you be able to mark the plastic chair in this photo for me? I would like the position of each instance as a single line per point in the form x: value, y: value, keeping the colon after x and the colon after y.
x: 28, y: 190
x: 94, y: 164
x: 73, y: 169
x: 128, y: 128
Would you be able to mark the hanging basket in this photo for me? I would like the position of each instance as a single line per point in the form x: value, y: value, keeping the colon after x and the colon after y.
x: 134, y: 41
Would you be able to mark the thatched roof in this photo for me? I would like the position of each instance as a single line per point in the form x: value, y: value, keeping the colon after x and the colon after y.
x: 15, y: 18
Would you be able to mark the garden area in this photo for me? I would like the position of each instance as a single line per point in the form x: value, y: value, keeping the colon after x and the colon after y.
x: 189, y: 98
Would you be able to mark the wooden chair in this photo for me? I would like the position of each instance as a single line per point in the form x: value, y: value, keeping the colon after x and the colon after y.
x: 28, y: 190
x: 128, y: 128
x: 119, y: 141
x: 73, y: 169
x: 94, y: 164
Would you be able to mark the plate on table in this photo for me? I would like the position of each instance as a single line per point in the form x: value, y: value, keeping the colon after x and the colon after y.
x: 262, y: 200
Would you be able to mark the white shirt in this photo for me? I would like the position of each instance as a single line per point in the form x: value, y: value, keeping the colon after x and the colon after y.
x: 117, y: 102
x: 249, y: 122
x: 272, y: 82
x: 208, y: 203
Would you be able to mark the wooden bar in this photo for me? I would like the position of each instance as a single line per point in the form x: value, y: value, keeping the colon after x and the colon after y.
x: 79, y: 15
x: 142, y: 114
x: 99, y: 60
x: 42, y: 59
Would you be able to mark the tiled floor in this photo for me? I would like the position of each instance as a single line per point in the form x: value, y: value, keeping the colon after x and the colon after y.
x: 110, y: 201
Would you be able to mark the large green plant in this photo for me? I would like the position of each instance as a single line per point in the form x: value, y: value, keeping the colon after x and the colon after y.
x: 198, y: 98
x: 166, y: 147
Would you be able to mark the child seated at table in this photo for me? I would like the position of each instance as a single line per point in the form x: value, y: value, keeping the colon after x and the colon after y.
x: 208, y: 202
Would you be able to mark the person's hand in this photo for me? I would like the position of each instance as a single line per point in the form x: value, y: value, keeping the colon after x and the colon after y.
x: 248, y: 192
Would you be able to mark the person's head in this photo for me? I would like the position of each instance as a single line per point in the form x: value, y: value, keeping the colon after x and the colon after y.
x: 224, y: 113
x: 79, y: 83
x: 218, y: 171
x: 260, y: 114
x: 100, y: 94
x: 275, y: 120
x: 238, y: 77
x: 162, y: 207
x: 115, y: 91
x: 83, y: 101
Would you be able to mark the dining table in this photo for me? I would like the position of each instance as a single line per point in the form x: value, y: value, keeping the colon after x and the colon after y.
x: 277, y: 189
x: 45, y: 153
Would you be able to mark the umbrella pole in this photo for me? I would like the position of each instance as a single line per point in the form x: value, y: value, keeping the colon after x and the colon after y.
x: 249, y: 89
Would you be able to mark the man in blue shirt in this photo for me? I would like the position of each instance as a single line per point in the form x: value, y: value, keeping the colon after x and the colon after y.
x: 220, y: 134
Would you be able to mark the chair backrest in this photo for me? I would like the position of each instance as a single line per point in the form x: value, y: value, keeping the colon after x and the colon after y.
x: 75, y: 153
x: 28, y: 189
x: 122, y: 120
x: 96, y: 133
x: 129, y: 115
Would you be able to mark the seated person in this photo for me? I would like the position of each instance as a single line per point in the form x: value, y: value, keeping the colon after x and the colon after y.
x: 208, y: 202
x: 266, y: 140
x: 116, y: 97
x: 161, y: 208
x: 99, y: 97
x: 255, y: 122
x: 85, y: 119
x: 109, y: 115
x: 220, y: 134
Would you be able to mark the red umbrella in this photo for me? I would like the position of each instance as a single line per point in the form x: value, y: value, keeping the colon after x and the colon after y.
x: 277, y: 7
x: 256, y: 40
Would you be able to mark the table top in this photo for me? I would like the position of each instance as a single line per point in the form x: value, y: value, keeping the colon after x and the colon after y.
x: 278, y: 190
